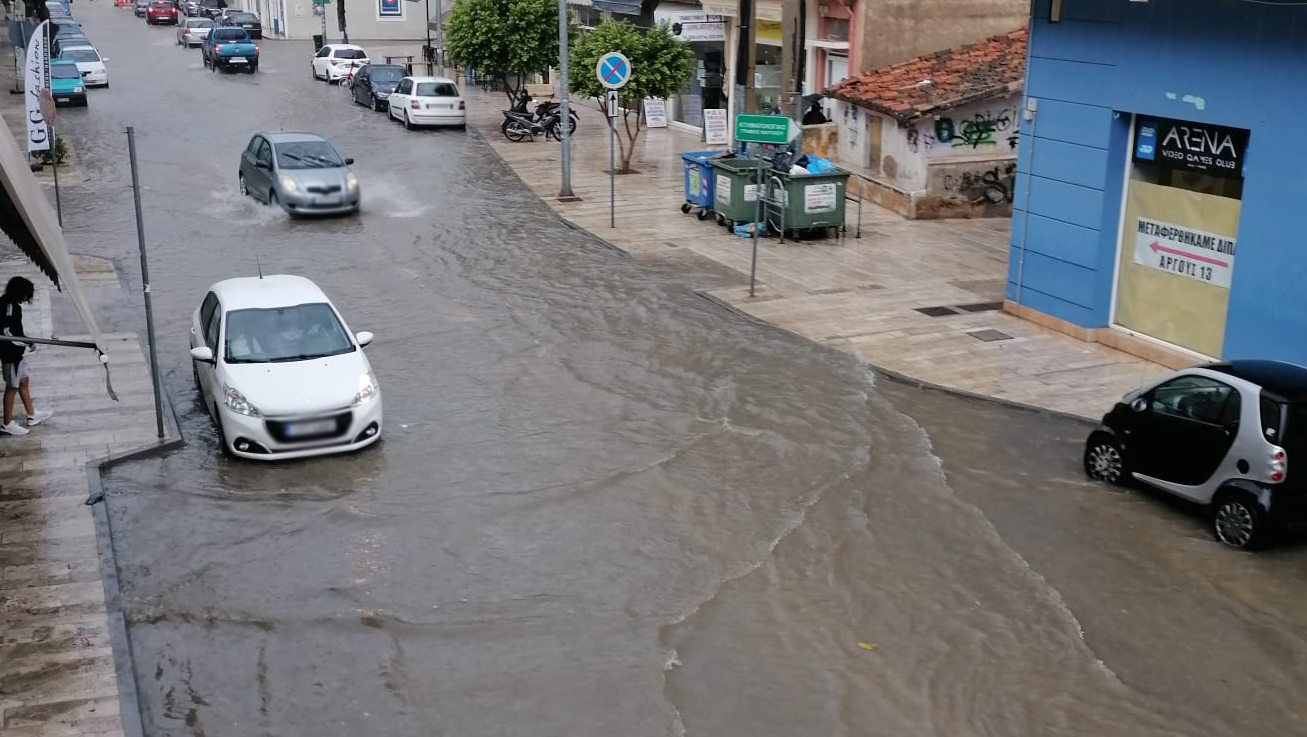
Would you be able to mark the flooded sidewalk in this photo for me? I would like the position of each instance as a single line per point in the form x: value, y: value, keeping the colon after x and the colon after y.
x: 57, y: 671
x: 919, y: 298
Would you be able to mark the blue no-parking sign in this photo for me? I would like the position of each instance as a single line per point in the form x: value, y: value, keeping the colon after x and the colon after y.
x: 613, y: 70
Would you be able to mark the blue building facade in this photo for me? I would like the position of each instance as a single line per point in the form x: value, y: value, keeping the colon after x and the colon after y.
x: 1160, y: 194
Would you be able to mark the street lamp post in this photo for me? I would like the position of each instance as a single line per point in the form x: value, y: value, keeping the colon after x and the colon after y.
x: 430, y: 51
x: 564, y: 120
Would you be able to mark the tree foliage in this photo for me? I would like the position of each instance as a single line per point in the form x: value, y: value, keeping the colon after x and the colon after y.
x: 507, y: 39
x: 660, y: 64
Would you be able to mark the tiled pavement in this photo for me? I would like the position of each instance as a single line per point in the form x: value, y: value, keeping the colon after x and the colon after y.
x: 860, y: 295
x: 57, y: 675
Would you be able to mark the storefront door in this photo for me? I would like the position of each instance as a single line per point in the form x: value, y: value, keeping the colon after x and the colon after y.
x: 1178, y: 235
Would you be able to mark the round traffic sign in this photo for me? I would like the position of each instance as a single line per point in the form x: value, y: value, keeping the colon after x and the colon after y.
x: 613, y: 70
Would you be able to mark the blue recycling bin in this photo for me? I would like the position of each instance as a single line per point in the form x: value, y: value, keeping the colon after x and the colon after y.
x: 698, y: 181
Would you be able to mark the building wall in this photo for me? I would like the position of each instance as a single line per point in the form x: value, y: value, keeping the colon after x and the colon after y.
x: 1205, y: 61
x: 363, y: 21
x: 894, y: 30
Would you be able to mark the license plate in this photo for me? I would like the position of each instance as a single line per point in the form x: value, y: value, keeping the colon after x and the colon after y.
x: 316, y: 427
x: 437, y: 107
x: 331, y: 200
x: 62, y: 99
x: 237, y: 60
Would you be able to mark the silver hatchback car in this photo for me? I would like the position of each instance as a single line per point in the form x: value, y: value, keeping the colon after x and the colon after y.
x: 299, y: 172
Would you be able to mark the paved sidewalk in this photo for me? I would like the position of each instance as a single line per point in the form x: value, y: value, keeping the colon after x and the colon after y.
x: 862, y: 295
x: 57, y: 675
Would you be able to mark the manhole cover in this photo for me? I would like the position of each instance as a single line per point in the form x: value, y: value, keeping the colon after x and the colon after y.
x: 937, y: 311
x: 989, y: 336
x: 981, y: 307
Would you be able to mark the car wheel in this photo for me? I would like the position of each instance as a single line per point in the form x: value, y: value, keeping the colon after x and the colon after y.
x: 314, y: 72
x: 1238, y: 522
x: 254, y: 68
x: 1104, y: 460
x: 407, y: 123
x: 213, y: 66
x: 245, y: 191
x: 376, y: 104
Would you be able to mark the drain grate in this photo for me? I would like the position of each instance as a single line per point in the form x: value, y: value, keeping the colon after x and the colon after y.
x: 981, y: 307
x: 989, y: 336
x: 939, y: 311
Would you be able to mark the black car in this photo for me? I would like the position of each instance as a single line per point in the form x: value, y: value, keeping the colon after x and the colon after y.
x: 373, y: 84
x: 1221, y: 435
x: 241, y: 19
x: 209, y: 8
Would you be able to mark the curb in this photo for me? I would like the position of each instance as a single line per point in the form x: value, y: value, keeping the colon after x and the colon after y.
x: 895, y: 376
x: 120, y: 644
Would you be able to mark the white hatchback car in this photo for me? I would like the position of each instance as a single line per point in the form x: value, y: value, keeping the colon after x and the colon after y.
x: 427, y: 101
x: 280, y: 372
x: 89, y: 63
x: 334, y: 61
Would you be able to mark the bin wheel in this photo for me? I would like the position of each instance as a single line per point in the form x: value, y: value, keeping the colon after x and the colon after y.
x: 721, y: 220
x: 702, y: 214
x: 685, y: 207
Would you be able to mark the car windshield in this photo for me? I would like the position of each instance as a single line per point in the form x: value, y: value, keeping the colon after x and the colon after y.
x: 307, y: 155
x: 242, y: 17
x: 390, y: 76
x: 67, y: 29
x: 436, y: 89
x: 64, y: 71
x: 206, y: 23
x: 350, y: 54
x: 82, y: 55
x: 285, y: 334
x: 229, y: 34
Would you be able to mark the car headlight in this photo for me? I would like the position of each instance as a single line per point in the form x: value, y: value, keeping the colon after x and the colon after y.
x: 352, y: 181
x: 78, y: 89
x: 233, y: 400
x: 367, y: 389
x: 287, y: 183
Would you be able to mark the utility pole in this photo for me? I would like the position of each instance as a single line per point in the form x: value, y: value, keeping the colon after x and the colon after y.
x: 794, y: 54
x: 748, y: 35
x: 564, y: 99
x: 430, y: 51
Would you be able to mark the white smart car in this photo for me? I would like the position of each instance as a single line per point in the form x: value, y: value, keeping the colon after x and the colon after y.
x: 280, y: 372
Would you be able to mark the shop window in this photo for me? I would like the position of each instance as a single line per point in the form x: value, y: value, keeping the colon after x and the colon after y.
x: 1178, y: 238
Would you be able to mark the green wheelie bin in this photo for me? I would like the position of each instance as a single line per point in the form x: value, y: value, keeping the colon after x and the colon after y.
x: 805, y: 204
x: 735, y: 189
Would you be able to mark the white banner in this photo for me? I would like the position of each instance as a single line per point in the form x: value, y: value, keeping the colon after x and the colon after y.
x: 36, y: 81
x: 1204, y: 257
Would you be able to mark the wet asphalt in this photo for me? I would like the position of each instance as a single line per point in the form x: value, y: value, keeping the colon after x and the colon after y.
x: 603, y: 505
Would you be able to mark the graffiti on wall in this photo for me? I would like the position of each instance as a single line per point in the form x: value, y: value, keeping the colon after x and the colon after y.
x: 996, y: 184
x: 983, y: 129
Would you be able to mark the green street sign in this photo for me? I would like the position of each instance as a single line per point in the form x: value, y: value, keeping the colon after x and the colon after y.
x: 777, y: 130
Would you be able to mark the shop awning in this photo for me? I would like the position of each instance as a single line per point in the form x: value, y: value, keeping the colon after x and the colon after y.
x: 31, y: 222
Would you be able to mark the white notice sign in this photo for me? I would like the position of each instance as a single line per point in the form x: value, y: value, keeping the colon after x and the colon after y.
x: 655, y: 112
x: 722, y: 193
x: 819, y: 198
x: 1175, y: 249
x: 715, y: 130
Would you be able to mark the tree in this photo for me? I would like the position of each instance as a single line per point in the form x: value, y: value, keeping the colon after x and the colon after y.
x: 508, y: 39
x: 660, y: 65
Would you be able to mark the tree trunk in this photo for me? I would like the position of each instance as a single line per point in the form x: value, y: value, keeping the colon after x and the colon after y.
x: 628, y: 146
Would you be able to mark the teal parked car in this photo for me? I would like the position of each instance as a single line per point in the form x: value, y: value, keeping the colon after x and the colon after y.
x: 66, y: 83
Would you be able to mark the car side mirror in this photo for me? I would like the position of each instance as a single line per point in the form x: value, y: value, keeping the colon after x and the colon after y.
x: 349, y: 162
x: 363, y: 337
x: 202, y: 353
x: 1139, y: 405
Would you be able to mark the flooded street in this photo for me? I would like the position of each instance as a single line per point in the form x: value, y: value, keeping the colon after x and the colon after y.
x: 602, y: 504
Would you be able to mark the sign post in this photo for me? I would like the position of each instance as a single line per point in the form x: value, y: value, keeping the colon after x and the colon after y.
x: 776, y: 130
x: 613, y: 72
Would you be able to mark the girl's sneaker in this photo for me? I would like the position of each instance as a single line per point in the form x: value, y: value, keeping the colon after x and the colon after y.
x: 13, y: 428
x: 39, y: 416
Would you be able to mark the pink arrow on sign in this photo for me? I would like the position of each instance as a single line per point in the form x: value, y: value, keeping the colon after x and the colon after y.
x: 1185, y: 254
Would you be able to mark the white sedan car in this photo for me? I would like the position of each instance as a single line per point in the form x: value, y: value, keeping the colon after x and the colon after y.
x: 334, y: 61
x: 89, y: 63
x: 427, y: 101
x: 280, y: 372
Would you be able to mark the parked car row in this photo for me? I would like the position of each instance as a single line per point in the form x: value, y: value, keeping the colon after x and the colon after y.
x: 413, y: 100
x: 75, y: 64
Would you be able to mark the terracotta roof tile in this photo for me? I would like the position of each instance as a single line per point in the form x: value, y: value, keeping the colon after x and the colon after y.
x: 994, y: 67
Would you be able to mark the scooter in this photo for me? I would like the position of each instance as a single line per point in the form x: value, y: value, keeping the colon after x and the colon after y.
x: 546, y: 109
x: 518, y: 126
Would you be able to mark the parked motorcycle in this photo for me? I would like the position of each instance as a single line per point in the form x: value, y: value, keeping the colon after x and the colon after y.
x: 519, y: 122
